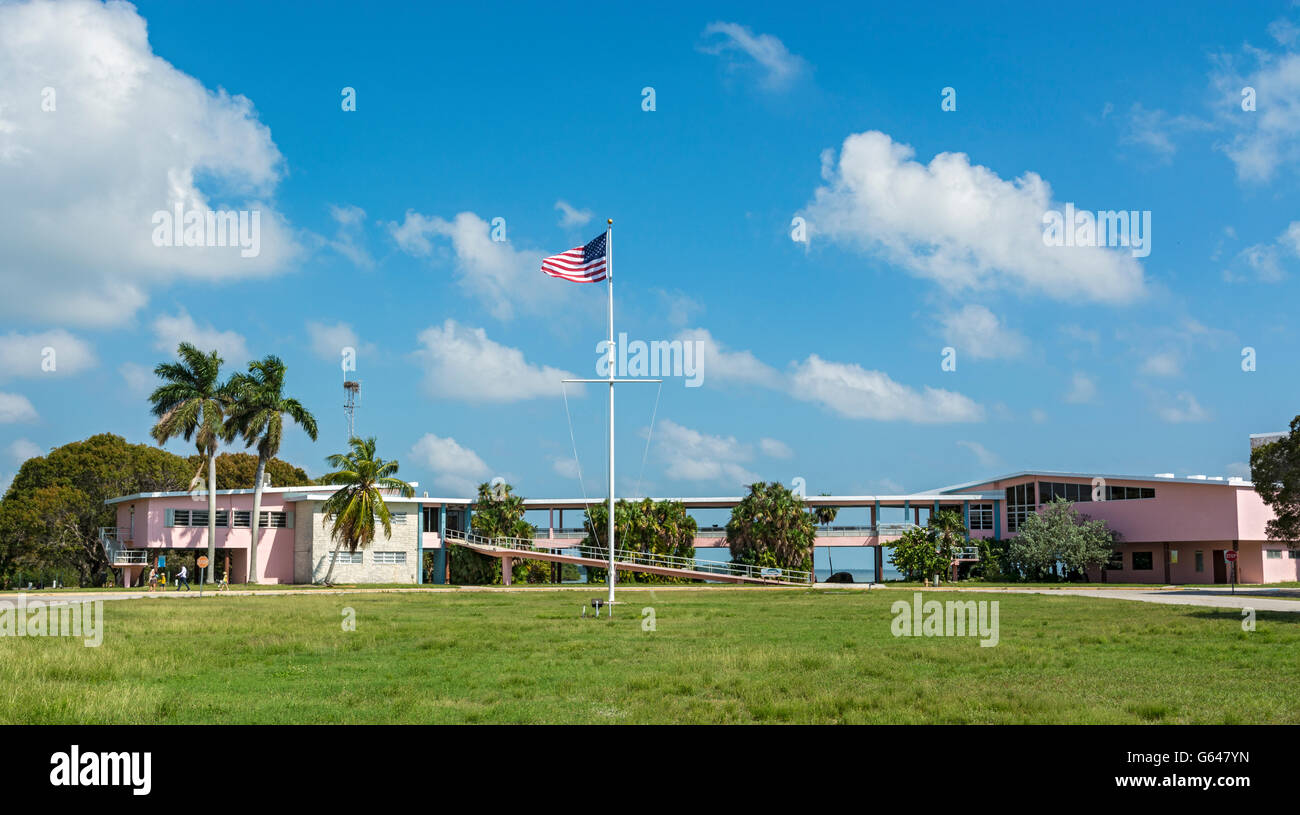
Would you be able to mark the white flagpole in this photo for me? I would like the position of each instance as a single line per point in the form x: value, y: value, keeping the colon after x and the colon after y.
x: 613, y: 357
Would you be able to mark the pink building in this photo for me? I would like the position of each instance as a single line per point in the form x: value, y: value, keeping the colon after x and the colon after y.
x: 1173, y: 530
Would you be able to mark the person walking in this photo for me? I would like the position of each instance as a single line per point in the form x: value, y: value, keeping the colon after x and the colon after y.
x: 153, y: 579
x: 181, y: 578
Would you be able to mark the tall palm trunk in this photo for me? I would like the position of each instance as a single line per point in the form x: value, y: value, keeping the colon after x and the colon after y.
x: 335, y: 559
x: 257, y: 516
x: 212, y: 512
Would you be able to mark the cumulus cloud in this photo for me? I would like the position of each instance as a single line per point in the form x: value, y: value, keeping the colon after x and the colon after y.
x: 14, y: 407
x: 349, y: 236
x: 503, y: 278
x: 982, y: 453
x: 44, y: 353
x: 454, y: 467
x: 1182, y: 408
x: 170, y: 330
x: 1083, y: 389
x: 977, y: 332
x: 742, y: 49
x: 1260, y: 142
x: 1162, y: 363
x: 328, y: 341
x: 959, y: 224
x: 129, y: 135
x: 463, y: 364
x: 140, y: 380
x: 694, y: 456
x: 857, y: 393
x: 1265, y: 262
x: 725, y: 365
x: 22, y: 449
x: 774, y: 448
x: 571, y: 216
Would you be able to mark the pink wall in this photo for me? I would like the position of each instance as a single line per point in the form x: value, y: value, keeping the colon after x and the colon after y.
x: 274, y: 550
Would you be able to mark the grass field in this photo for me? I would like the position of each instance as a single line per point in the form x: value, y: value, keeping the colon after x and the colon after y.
x: 715, y: 656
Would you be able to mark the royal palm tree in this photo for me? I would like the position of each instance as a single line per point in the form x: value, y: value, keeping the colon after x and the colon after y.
x: 192, y: 404
x: 257, y: 415
x: 353, y: 509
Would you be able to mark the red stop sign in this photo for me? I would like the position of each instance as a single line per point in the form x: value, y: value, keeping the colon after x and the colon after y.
x: 1229, y: 556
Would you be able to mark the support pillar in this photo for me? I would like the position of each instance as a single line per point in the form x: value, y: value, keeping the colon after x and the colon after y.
x: 507, y: 570
x: 880, y: 564
x: 997, y: 520
x: 441, y: 568
x: 419, y: 545
x: 965, y: 518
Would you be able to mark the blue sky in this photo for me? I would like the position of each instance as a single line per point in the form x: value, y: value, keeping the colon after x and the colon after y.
x: 823, y: 359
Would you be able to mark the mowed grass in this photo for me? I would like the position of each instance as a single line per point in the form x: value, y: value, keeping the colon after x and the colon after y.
x: 716, y: 656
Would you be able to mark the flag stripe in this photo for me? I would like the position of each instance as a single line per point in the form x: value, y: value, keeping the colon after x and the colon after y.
x: 581, y: 264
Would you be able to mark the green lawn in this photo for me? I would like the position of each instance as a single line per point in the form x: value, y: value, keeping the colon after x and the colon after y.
x: 716, y: 656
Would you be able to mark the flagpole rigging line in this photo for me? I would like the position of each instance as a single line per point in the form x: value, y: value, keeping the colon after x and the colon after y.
x: 649, y: 434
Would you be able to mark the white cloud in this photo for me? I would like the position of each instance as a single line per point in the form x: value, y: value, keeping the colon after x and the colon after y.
x: 328, y: 341
x: 1184, y: 408
x: 724, y: 365
x: 130, y: 135
x: 1264, y: 261
x: 682, y: 308
x: 1038, y: 415
x: 23, y: 449
x: 26, y: 354
x: 779, y: 68
x: 1239, y: 469
x: 14, y: 407
x: 982, y: 454
x: 959, y: 224
x: 572, y: 217
x: 463, y: 364
x: 567, y: 466
x: 349, y: 236
x: 1163, y: 363
x: 1157, y: 130
x: 1266, y: 139
x: 1083, y: 389
x: 694, y: 456
x: 978, y: 333
x: 852, y: 391
x: 503, y: 278
x: 773, y: 448
x: 455, y: 468
x: 171, y: 330
x: 140, y: 381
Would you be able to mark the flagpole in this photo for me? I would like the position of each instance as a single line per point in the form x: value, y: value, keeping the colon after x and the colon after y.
x: 609, y: 279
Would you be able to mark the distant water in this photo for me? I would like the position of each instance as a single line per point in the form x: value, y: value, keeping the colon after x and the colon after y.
x: 858, y: 561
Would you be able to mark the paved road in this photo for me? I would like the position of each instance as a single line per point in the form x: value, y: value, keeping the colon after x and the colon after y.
x: 1211, y: 598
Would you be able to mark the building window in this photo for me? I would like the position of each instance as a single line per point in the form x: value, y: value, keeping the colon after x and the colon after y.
x: 1115, y: 562
x: 1129, y: 493
x: 1295, y: 554
x: 1200, y: 561
x: 273, y: 520
x: 349, y: 557
x: 1048, y: 491
x: 981, y: 516
x: 390, y: 558
x: 1020, y: 502
x: 1274, y: 554
x: 430, y: 519
x: 1142, y: 561
x: 242, y: 519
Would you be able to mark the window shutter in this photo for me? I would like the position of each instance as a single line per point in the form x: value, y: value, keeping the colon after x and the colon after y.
x: 170, y: 517
x: 288, y: 520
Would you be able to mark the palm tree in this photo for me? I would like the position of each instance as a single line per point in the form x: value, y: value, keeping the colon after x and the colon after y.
x: 192, y: 403
x: 257, y: 414
x: 948, y: 531
x: 353, y: 509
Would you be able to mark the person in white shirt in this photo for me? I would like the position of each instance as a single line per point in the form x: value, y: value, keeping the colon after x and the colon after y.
x: 181, y: 578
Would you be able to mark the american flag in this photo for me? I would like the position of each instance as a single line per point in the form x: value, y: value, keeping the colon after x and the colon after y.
x: 581, y: 264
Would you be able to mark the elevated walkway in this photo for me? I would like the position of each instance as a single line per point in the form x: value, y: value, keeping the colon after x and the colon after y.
x: 628, y: 561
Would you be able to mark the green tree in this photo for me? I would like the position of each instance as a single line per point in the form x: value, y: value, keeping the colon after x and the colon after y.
x: 51, y: 514
x: 354, y: 508
x: 772, y: 527
x: 258, y: 407
x: 191, y: 403
x: 238, y: 471
x: 1275, y: 469
x: 1057, y: 534
x: 498, y: 513
x: 925, y: 551
x: 646, y: 528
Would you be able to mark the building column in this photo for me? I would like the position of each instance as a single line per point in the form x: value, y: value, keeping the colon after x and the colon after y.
x: 440, y: 557
x: 965, y: 518
x: 507, y: 569
x: 875, y: 517
x: 997, y: 520
x: 419, y: 544
x: 907, y: 511
x: 880, y: 563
